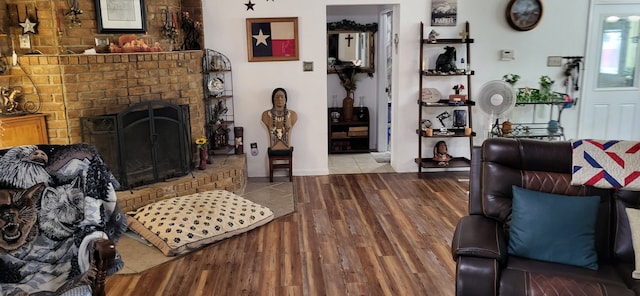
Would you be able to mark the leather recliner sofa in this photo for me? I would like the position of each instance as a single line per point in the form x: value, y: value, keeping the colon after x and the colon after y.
x: 480, y: 242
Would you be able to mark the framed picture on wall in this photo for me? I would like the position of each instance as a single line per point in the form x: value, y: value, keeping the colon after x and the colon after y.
x: 121, y: 16
x: 272, y: 39
x: 444, y: 12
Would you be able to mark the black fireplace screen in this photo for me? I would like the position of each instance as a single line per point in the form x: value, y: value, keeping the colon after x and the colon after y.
x: 146, y: 143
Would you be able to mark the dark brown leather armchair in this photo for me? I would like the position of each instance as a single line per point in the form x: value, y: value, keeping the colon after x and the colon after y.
x: 479, y: 245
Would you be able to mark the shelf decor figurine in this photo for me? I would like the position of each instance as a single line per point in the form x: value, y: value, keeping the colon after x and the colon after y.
x: 457, y: 98
x: 433, y: 36
x: 443, y: 130
x: 446, y: 62
x: 219, y: 110
x: 440, y: 153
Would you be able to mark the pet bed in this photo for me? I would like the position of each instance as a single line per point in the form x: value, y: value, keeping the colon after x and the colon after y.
x: 182, y: 224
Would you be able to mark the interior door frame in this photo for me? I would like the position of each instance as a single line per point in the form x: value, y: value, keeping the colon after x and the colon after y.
x: 384, y: 91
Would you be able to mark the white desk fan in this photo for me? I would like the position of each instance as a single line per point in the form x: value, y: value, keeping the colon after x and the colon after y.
x: 496, y: 99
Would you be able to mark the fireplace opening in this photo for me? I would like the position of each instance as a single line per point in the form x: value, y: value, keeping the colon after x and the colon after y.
x: 146, y: 143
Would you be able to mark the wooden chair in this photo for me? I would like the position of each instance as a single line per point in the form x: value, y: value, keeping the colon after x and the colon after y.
x: 280, y: 159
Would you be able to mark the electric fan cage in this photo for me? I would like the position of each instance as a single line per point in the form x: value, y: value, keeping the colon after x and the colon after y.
x: 496, y: 98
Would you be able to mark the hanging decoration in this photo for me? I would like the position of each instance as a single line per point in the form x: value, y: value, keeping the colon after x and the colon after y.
x: 169, y: 26
x: 11, y: 100
x: 30, y: 23
x: 191, y: 31
x: 249, y: 5
x: 28, y: 26
x: 74, y: 11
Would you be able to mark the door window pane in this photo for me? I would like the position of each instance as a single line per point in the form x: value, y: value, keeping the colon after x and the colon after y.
x: 619, y: 52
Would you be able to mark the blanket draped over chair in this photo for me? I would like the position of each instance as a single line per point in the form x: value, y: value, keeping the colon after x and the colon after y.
x: 55, y: 200
x: 606, y: 164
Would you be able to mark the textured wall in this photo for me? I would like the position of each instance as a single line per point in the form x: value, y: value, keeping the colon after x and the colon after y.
x: 57, y: 34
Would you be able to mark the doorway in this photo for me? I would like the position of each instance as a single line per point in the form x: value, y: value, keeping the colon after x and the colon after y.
x: 610, y: 108
x: 379, y: 101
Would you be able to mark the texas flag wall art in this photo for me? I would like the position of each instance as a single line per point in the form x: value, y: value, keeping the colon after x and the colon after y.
x: 272, y: 39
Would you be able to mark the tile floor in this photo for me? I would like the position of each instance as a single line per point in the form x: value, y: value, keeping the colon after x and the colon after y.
x: 277, y: 196
x: 338, y: 164
x: 356, y: 164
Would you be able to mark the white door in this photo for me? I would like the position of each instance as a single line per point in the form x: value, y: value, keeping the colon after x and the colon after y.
x: 385, y: 63
x: 610, y: 108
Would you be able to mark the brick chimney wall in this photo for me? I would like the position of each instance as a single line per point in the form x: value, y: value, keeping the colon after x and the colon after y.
x: 57, y: 34
x: 66, y: 87
x: 73, y: 86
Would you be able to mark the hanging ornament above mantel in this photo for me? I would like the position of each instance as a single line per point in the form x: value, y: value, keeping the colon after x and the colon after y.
x: 28, y: 26
x: 73, y: 12
x: 27, y: 19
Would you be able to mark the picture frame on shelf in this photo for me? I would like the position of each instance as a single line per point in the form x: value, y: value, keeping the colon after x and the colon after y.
x: 124, y: 16
x: 102, y: 41
x: 102, y: 44
x: 272, y: 39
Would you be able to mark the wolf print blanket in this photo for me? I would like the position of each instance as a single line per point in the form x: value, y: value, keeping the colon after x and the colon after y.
x: 55, y: 200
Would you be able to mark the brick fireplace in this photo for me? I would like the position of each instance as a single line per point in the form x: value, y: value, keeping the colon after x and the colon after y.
x: 73, y: 86
x: 70, y: 87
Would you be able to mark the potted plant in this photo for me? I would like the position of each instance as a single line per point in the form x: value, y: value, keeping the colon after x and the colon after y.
x: 511, y: 78
x: 457, y: 98
x: 219, y: 110
x: 348, y: 75
x: 201, y: 143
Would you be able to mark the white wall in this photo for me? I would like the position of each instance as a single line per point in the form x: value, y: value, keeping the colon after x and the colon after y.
x: 562, y: 31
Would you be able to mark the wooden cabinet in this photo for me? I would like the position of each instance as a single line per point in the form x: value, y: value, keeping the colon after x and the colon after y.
x: 23, y: 130
x: 425, y: 157
x: 349, y: 136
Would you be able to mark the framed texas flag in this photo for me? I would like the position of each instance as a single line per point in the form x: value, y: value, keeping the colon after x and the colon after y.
x: 272, y: 39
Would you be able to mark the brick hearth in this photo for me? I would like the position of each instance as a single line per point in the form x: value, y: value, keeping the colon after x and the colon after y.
x: 228, y: 172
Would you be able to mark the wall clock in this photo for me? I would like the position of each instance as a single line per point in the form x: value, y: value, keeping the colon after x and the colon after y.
x: 524, y: 15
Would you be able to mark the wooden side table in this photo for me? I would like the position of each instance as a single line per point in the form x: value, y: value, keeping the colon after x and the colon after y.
x: 30, y: 129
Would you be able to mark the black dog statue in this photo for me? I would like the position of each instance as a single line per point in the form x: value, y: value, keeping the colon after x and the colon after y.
x: 446, y: 61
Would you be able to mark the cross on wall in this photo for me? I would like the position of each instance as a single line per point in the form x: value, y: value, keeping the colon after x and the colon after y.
x: 348, y: 38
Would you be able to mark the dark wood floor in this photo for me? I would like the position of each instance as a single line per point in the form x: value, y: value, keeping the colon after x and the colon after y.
x: 361, y: 234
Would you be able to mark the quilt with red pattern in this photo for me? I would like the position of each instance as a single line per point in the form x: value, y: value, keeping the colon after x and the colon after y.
x: 606, y: 164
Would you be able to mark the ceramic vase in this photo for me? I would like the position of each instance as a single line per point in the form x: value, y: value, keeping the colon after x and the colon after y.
x: 506, y: 127
x: 347, y: 107
x: 553, y: 126
x: 203, y: 158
